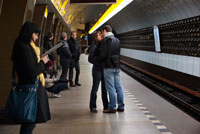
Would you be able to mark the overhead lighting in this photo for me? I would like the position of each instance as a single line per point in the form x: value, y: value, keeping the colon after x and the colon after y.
x: 46, y: 12
x: 60, y: 6
x: 112, y: 10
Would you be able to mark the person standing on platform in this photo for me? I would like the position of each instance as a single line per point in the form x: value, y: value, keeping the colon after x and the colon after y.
x: 28, y: 66
x: 97, y: 74
x: 110, y: 56
x: 65, y: 56
x: 75, y: 50
x: 48, y: 45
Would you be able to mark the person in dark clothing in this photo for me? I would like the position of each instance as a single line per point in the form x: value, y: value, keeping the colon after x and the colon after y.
x: 65, y: 56
x: 48, y: 45
x: 75, y: 50
x: 28, y: 66
x: 110, y: 57
x: 97, y: 74
x: 53, y: 85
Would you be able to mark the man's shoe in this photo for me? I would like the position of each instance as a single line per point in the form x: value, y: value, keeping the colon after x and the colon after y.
x: 78, y: 84
x: 72, y: 85
x: 109, y: 111
x: 120, y: 110
x: 93, y: 110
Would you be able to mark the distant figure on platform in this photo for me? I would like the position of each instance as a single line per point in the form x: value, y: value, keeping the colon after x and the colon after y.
x: 53, y: 85
x: 65, y: 56
x: 110, y: 56
x: 75, y: 50
x: 28, y: 66
x: 48, y: 45
x: 97, y: 74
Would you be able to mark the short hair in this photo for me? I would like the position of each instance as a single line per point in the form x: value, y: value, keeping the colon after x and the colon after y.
x: 108, y: 28
x: 73, y: 32
x: 63, y: 35
x: 50, y: 34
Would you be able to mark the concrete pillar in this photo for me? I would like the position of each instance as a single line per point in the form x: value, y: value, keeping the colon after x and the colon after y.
x: 49, y: 23
x: 55, y: 30
x: 11, y: 19
x: 1, y: 3
x: 40, y: 19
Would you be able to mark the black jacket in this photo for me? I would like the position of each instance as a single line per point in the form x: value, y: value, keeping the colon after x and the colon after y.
x: 109, y: 54
x: 27, y: 68
x: 93, y: 53
x: 65, y: 53
x: 47, y: 46
x: 74, y: 48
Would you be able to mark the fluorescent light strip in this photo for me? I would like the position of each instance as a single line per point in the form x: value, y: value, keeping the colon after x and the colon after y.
x: 113, y: 10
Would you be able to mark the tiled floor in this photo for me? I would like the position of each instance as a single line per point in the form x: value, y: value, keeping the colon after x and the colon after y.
x: 71, y: 115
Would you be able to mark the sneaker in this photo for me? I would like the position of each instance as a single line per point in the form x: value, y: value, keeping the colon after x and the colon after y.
x: 78, y: 84
x: 109, y: 111
x: 93, y: 110
x: 120, y: 110
x: 56, y: 95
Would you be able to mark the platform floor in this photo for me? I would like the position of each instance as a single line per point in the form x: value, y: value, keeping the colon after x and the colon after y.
x: 145, y: 112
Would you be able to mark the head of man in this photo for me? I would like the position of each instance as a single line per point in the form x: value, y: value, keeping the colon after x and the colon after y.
x: 63, y: 36
x: 73, y: 34
x: 106, y: 28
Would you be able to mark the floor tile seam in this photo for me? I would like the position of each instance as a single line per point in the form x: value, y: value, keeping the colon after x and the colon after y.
x: 157, y: 123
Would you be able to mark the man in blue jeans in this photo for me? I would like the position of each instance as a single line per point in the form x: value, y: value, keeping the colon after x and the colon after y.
x: 110, y: 58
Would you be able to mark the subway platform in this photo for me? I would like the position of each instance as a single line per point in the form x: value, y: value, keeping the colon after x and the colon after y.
x: 145, y: 112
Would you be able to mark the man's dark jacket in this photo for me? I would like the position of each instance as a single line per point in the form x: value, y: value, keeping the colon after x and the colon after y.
x: 65, y: 54
x: 74, y: 48
x: 110, y: 52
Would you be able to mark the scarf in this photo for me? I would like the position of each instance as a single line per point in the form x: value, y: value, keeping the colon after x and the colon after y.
x: 37, y: 52
x: 108, y: 34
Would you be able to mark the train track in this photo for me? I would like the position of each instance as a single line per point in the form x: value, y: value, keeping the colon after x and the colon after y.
x: 184, y: 101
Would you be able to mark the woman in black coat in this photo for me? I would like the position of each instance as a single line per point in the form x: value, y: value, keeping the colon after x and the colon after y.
x: 28, y: 67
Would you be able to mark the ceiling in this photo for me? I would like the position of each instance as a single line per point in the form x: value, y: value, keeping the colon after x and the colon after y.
x: 146, y: 13
x: 80, y: 13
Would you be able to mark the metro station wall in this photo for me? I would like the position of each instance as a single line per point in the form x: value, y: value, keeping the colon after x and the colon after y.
x: 179, y: 60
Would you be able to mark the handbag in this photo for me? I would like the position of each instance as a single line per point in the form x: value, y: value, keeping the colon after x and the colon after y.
x: 21, y: 105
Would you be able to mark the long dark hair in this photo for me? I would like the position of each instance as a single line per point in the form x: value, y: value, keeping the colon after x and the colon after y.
x: 27, y: 31
x: 25, y: 35
x: 94, y: 37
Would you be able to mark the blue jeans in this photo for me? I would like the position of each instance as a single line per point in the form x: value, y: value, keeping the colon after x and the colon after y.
x: 58, y: 87
x: 114, y: 88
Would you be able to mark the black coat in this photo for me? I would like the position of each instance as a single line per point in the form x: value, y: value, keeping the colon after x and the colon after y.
x: 93, y: 53
x: 47, y: 46
x: 109, y: 54
x: 27, y: 68
x: 74, y: 48
x: 65, y: 53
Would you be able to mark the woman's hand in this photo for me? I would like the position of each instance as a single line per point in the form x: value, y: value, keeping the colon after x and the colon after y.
x: 45, y: 59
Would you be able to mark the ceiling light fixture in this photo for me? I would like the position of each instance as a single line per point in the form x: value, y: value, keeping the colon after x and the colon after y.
x: 112, y: 10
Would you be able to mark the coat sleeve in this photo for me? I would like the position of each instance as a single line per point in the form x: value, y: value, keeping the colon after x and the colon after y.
x: 91, y: 54
x: 31, y: 66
